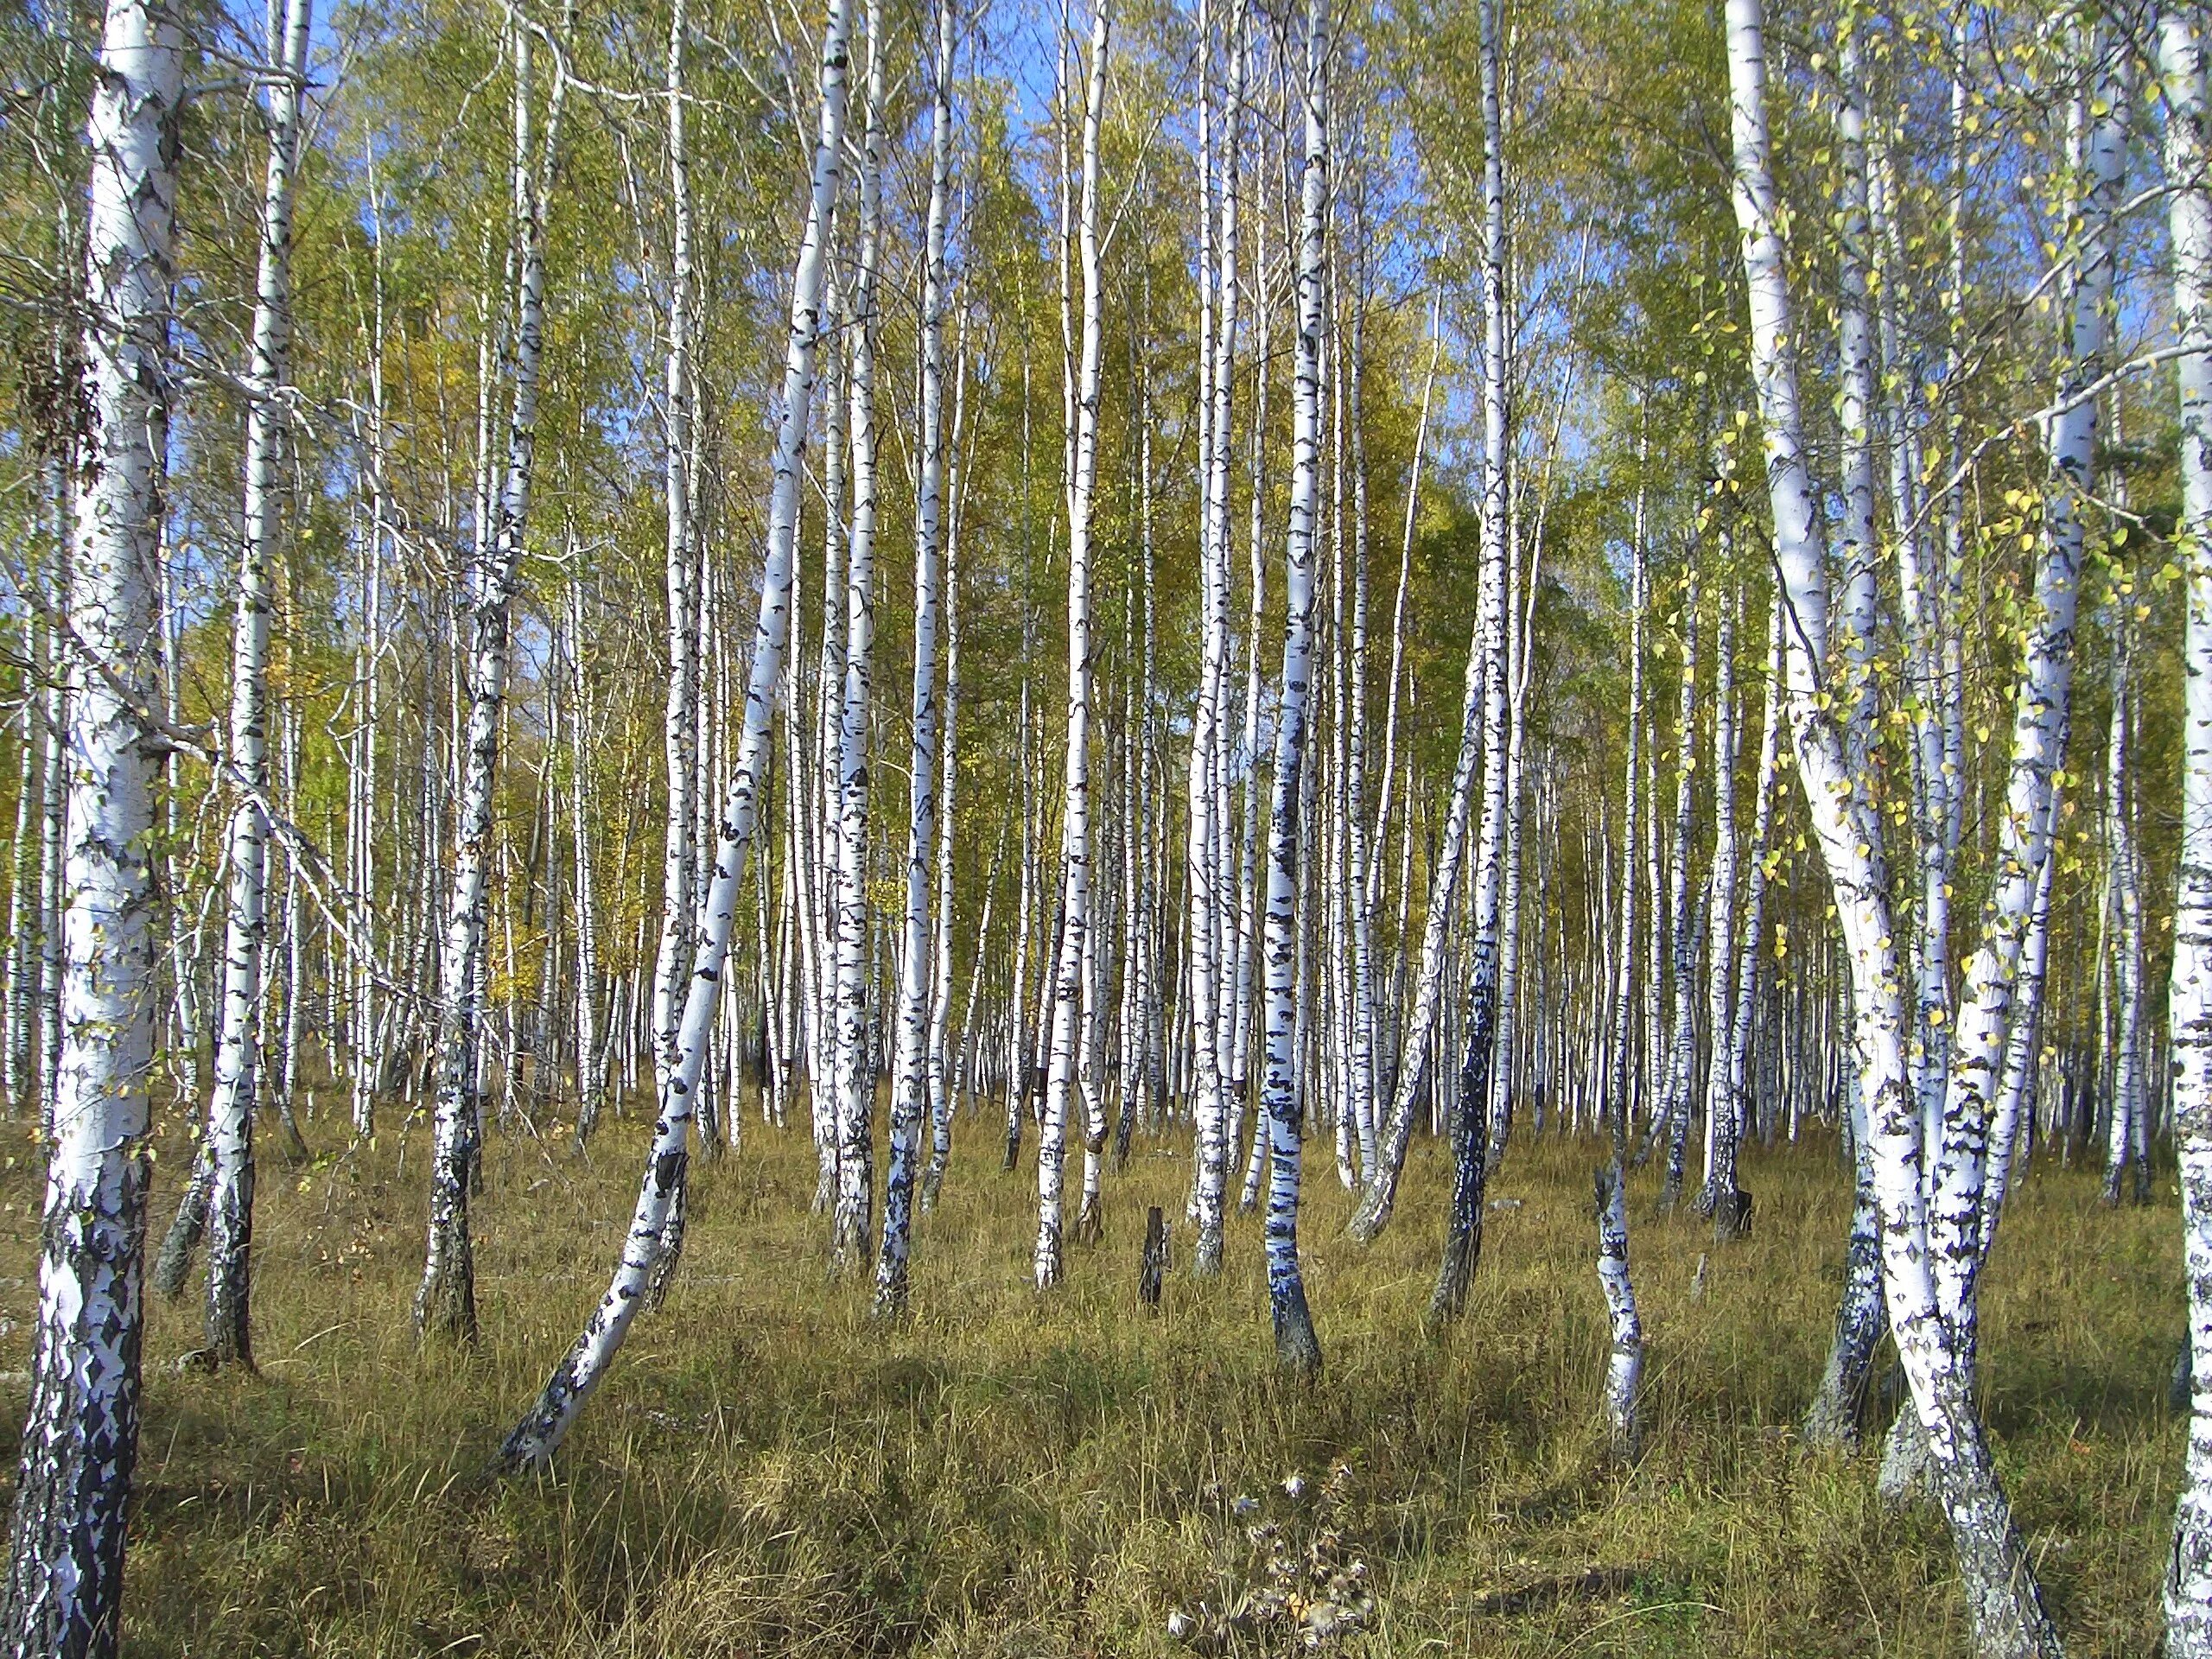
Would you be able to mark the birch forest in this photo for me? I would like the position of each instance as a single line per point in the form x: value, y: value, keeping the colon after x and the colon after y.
x: 974, y: 828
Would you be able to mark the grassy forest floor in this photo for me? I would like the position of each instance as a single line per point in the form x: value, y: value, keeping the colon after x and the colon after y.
x: 769, y: 1471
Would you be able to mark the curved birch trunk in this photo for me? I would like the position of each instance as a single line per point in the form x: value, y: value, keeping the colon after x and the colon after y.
x: 1989, y: 1001
x: 1997, y: 1576
x: 1620, y: 1073
x: 538, y: 1435
x: 64, y: 1587
x: 591, y: 1064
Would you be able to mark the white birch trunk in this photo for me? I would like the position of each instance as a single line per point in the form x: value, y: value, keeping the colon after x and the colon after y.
x: 1673, y: 1115
x: 1075, y: 829
x: 680, y: 744
x: 1732, y: 1107
x: 1463, y: 1234
x: 64, y: 1585
x: 590, y: 1076
x: 1995, y: 1572
x: 856, y: 1062
x: 1624, y: 1360
x: 1720, y: 1104
x: 1361, y: 990
x: 1987, y: 1001
x: 943, y: 1093
x: 910, y: 1071
x: 534, y: 1440
x: 1296, y: 1346
x: 231, y: 1109
x: 1620, y: 1076
x: 2189, y: 1573
x: 2125, y: 1137
x: 1384, y: 795
x: 445, y: 1303
x: 1209, y: 914
x: 1248, y: 896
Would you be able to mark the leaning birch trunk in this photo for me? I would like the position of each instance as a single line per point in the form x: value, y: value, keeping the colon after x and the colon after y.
x: 1989, y: 1000
x: 445, y: 1303
x: 1398, y: 610
x: 2189, y: 1573
x: 231, y: 1110
x: 854, y: 1062
x: 1463, y: 1234
x: 1416, y: 1037
x: 1061, y: 1079
x: 1357, y: 854
x: 538, y: 1435
x: 1296, y: 1346
x: 64, y: 1588
x: 910, y: 1072
x: 1995, y: 1572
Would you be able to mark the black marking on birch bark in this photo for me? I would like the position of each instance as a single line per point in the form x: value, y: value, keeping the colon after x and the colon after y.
x: 63, y: 1590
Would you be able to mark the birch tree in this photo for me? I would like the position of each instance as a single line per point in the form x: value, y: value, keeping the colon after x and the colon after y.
x: 2188, y: 210
x: 445, y: 1303
x: 1209, y: 900
x: 231, y: 1109
x: 1999, y: 1580
x: 1075, y: 817
x: 909, y: 1084
x: 680, y: 723
x: 64, y: 1587
x: 533, y: 1441
x: 1471, y: 1130
x: 1296, y: 1347
x: 855, y: 1069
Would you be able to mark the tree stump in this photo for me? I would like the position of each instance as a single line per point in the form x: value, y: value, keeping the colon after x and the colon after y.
x: 1155, y: 1266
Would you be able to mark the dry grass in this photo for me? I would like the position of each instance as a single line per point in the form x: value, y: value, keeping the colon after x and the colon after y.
x: 771, y: 1472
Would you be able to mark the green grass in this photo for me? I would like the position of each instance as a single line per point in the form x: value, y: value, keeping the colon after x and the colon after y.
x: 770, y: 1472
